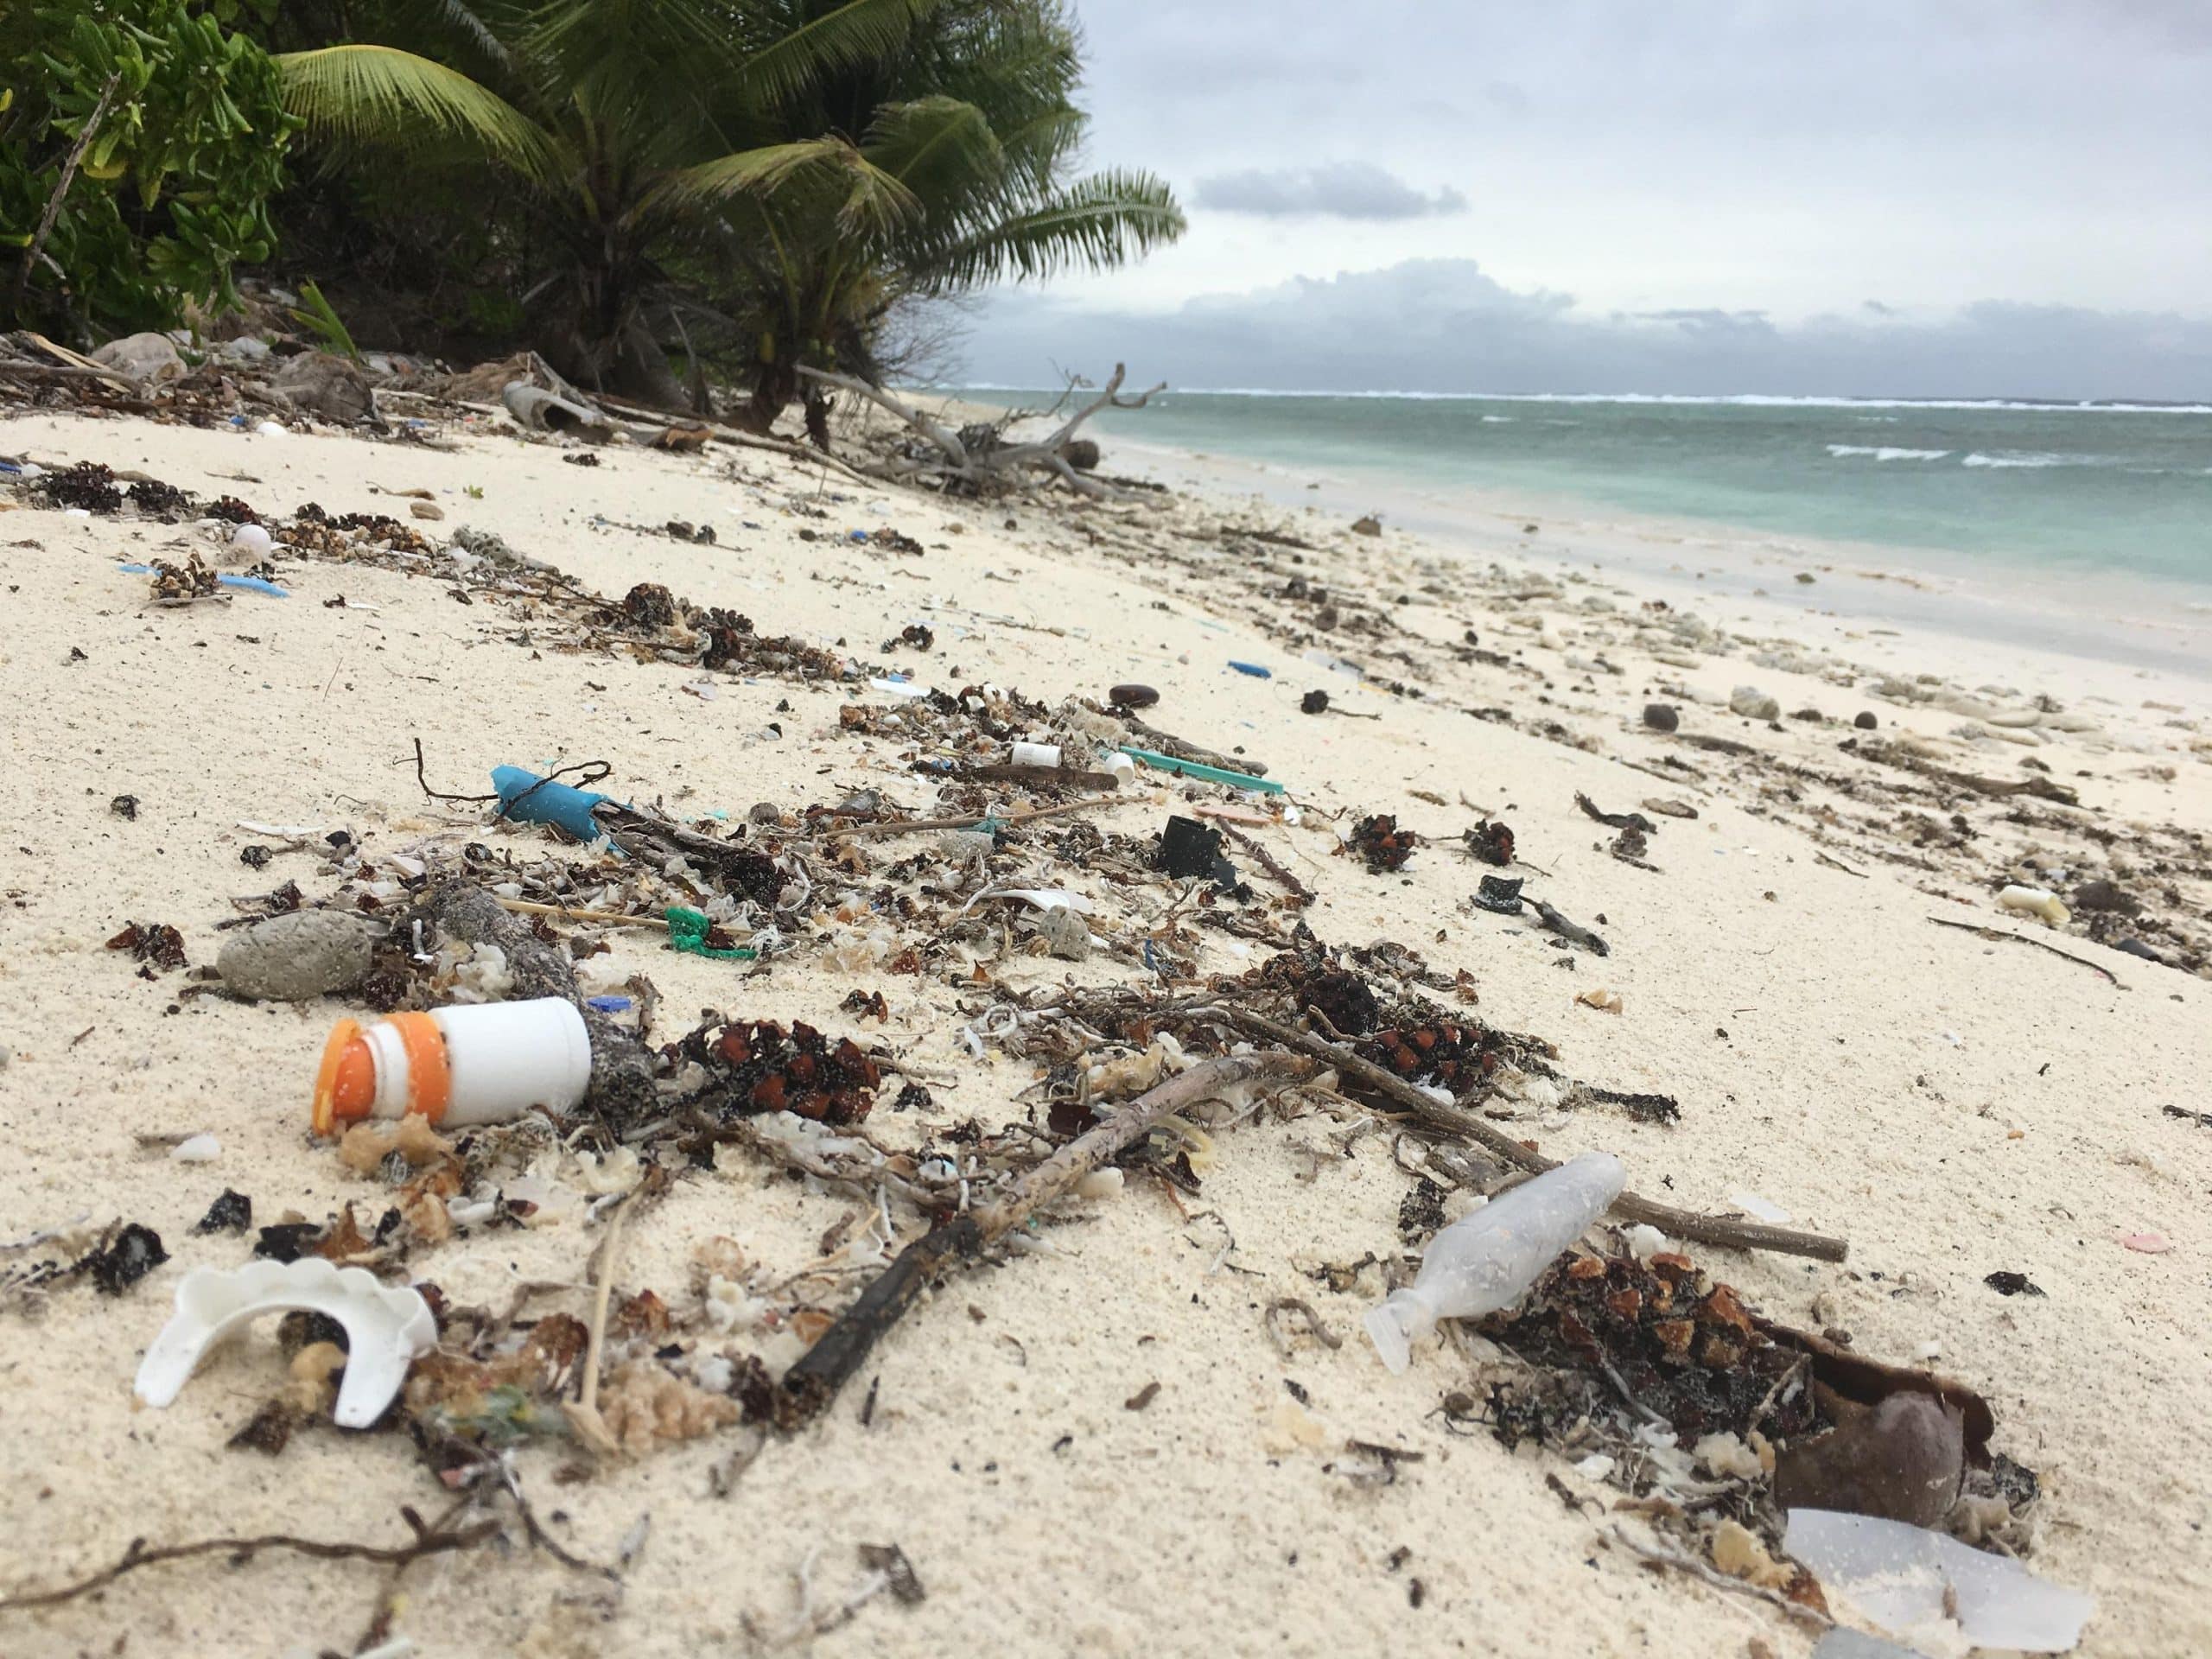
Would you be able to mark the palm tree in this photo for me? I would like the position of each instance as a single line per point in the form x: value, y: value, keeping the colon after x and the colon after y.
x: 774, y: 175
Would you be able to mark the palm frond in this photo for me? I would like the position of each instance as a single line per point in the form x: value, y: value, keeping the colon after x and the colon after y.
x: 843, y: 37
x: 380, y: 95
x: 826, y: 174
x: 935, y: 146
x: 1098, y: 222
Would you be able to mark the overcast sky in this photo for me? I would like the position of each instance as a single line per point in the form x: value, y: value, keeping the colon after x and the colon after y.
x: 1652, y: 195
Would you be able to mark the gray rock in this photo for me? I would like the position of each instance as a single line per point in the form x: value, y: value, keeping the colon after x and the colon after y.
x: 332, y: 387
x: 1066, y: 934
x: 1753, y: 703
x: 1864, y: 720
x: 1660, y: 717
x: 307, y: 953
x: 148, y: 359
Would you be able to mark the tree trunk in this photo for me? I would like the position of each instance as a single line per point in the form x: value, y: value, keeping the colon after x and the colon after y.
x: 774, y: 385
x: 817, y: 419
x: 641, y: 371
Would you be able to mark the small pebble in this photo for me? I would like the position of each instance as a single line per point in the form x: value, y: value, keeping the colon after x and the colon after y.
x: 1864, y: 720
x: 1133, y: 696
x: 1660, y: 717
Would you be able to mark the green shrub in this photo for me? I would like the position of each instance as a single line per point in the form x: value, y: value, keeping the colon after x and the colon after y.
x: 172, y: 190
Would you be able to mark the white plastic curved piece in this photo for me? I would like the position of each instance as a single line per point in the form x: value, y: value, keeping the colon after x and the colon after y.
x: 385, y: 1327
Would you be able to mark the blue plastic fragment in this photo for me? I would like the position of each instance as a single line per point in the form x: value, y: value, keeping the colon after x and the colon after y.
x: 856, y: 535
x: 1253, y: 669
x: 608, y: 1004
x: 251, y: 584
x: 527, y: 798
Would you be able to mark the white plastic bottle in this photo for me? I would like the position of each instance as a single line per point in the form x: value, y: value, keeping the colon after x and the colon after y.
x: 1484, y: 1261
x: 475, y: 1063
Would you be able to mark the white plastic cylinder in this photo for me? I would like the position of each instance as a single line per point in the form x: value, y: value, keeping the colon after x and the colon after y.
x: 1484, y: 1261
x: 1123, y: 768
x: 504, y: 1058
x: 1037, y: 754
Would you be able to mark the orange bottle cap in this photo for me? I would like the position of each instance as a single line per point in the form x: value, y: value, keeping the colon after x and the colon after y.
x: 345, y: 1084
x: 429, y: 1074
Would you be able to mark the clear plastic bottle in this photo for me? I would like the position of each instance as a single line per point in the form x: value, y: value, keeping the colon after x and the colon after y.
x: 1484, y: 1261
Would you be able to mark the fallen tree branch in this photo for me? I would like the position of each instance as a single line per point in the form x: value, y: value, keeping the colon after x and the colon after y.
x: 904, y: 825
x: 427, y: 1542
x: 999, y: 465
x: 813, y: 1382
x: 1683, y: 1224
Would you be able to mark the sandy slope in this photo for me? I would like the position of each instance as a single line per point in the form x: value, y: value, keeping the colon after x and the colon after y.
x: 1954, y: 1106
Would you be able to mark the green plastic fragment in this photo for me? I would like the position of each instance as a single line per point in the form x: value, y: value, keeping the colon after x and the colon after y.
x: 687, y: 931
x: 1205, y: 774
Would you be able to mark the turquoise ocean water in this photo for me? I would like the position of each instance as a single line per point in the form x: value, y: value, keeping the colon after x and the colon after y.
x: 1982, y: 488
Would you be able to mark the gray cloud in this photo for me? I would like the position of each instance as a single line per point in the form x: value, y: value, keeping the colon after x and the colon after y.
x: 1446, y: 325
x: 1341, y: 190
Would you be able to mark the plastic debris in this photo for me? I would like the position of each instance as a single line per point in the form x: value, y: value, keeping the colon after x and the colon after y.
x: 1483, y: 1261
x: 1500, y: 894
x: 2035, y: 901
x: 196, y: 1149
x: 1253, y: 669
x: 386, y: 1328
x: 245, y: 584
x: 480, y: 1063
x: 689, y: 932
x: 1904, y: 1460
x: 1907, y: 1579
x: 527, y: 798
x: 1204, y: 773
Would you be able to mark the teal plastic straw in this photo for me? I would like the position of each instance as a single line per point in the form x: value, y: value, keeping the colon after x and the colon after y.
x: 1205, y: 774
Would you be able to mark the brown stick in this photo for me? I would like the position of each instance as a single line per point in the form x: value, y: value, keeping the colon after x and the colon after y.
x: 1267, y: 861
x: 426, y: 1541
x: 812, y: 1383
x: 1996, y: 933
x: 61, y: 186
x: 1010, y: 820
x: 1684, y: 1223
x: 605, y: 918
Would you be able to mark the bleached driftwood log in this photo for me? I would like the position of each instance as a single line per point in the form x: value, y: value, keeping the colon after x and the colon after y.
x: 955, y: 461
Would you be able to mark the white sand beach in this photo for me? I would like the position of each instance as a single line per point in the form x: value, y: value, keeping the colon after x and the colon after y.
x: 1954, y: 1105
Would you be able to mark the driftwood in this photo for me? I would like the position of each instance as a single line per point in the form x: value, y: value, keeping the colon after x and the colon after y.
x: 1466, y: 1126
x: 1889, y: 754
x: 953, y: 460
x: 813, y: 1382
